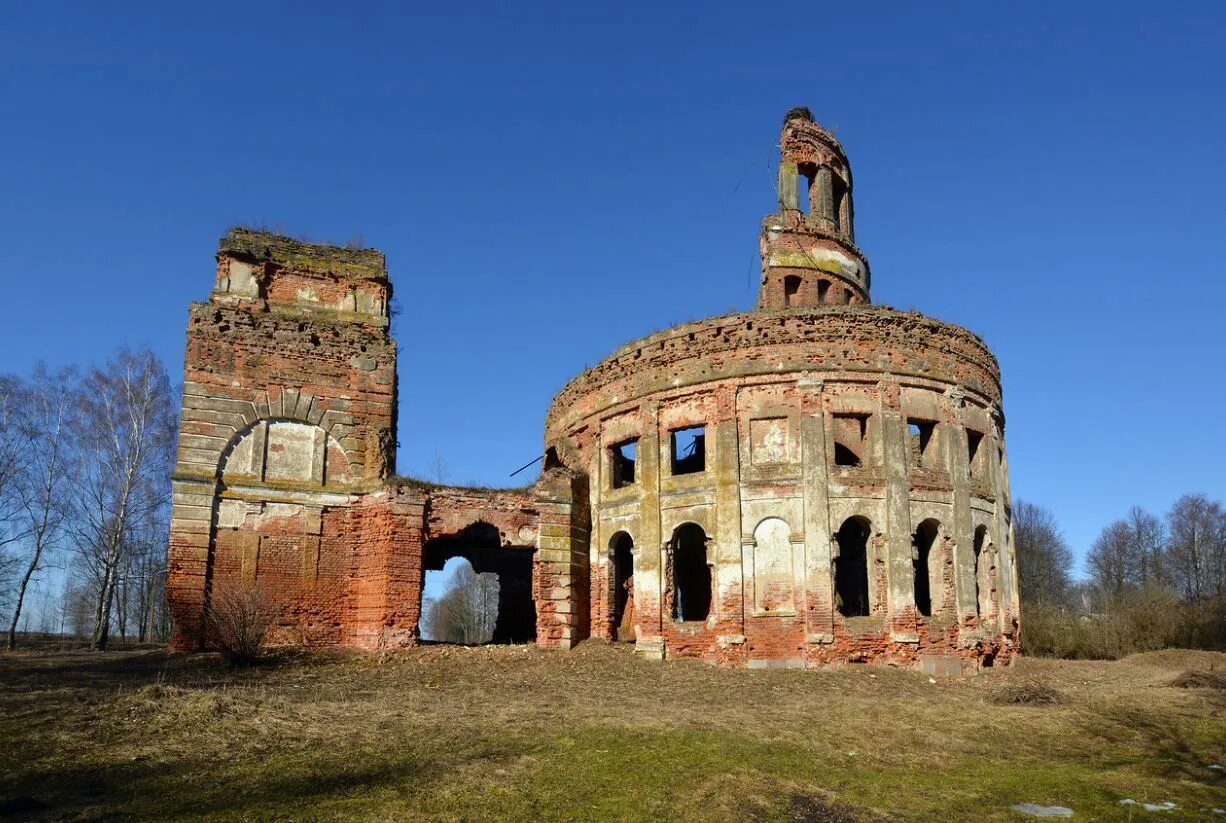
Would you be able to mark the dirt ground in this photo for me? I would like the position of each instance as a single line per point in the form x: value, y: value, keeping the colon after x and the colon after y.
x: 514, y: 733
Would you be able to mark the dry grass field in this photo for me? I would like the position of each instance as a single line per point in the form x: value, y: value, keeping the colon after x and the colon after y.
x: 513, y: 733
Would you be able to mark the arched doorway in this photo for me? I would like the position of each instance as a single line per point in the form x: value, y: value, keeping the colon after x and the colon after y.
x: 851, y: 568
x: 621, y: 617
x: 480, y: 545
x: 691, y: 574
x: 922, y: 543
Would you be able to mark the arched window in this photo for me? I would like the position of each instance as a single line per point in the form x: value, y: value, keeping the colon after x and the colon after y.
x: 823, y: 288
x: 691, y: 575
x: 851, y: 568
x: 621, y: 577
x: 922, y: 542
x: 791, y: 288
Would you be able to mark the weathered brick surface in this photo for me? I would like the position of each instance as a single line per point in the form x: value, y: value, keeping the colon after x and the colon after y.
x: 840, y: 441
x: 789, y: 395
x: 287, y: 445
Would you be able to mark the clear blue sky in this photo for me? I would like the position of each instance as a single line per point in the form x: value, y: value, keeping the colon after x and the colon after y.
x: 550, y: 181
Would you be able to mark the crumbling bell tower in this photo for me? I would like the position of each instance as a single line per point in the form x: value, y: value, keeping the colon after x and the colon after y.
x: 809, y: 256
x: 289, y: 412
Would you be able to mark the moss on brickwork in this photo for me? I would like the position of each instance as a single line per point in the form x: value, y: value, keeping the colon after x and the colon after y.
x: 298, y: 255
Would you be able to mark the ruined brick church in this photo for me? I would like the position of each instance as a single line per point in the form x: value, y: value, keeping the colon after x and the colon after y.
x: 820, y: 481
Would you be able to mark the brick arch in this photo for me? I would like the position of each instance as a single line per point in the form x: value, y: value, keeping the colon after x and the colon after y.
x: 254, y: 436
x: 700, y: 519
x: 613, y: 538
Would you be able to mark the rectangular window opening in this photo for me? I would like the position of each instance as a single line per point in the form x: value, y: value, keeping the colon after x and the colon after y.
x: 623, y: 455
x: 839, y: 193
x: 804, y: 188
x: 921, y: 442
x: 973, y: 439
x: 791, y: 288
x: 689, y: 450
x: 850, y: 439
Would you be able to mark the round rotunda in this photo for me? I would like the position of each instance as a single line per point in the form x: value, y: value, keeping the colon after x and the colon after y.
x: 819, y: 481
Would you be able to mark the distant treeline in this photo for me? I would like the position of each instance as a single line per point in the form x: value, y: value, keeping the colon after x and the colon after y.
x: 1153, y: 582
x: 85, y: 459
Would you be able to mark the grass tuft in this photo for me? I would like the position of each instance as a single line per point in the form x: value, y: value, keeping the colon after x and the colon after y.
x: 1200, y: 679
x: 1027, y: 693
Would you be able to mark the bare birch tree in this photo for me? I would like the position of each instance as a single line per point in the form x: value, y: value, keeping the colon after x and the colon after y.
x: 124, y: 426
x: 1149, y: 534
x: 12, y: 456
x: 42, y: 483
x: 466, y: 611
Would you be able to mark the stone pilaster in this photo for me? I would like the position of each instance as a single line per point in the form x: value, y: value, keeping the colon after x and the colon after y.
x: 819, y: 580
x: 729, y: 595
x: 649, y: 566
x: 562, y: 570
x: 899, y: 568
x: 824, y: 207
x: 958, y: 460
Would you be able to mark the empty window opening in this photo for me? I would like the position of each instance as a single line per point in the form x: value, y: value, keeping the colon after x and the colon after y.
x: 850, y: 439
x: 791, y: 289
x: 691, y: 574
x: 846, y: 297
x: 823, y: 288
x: 476, y: 590
x: 922, y: 543
x: 973, y: 439
x: 621, y: 551
x: 804, y: 187
x: 839, y: 198
x: 981, y: 535
x: 689, y: 450
x: 844, y: 456
x: 921, y: 442
x: 851, y: 568
x: 623, y: 455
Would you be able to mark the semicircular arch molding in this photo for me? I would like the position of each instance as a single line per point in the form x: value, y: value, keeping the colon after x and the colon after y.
x: 285, y: 450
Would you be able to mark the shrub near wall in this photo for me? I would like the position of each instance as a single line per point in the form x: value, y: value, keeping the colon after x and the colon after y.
x: 1141, y: 621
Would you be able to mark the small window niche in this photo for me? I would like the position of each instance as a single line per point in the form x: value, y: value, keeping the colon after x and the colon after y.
x: 689, y: 447
x: 921, y: 437
x: 974, y: 455
x: 623, y: 455
x: 850, y: 439
x: 791, y: 290
x: 823, y: 289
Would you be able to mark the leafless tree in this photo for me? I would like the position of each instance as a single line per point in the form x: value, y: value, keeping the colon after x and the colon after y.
x: 1149, y: 534
x: 1043, y: 558
x: 1114, y: 561
x: 12, y: 456
x: 466, y: 612
x: 43, y: 479
x: 1196, y: 552
x: 124, y: 426
x: 438, y: 469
